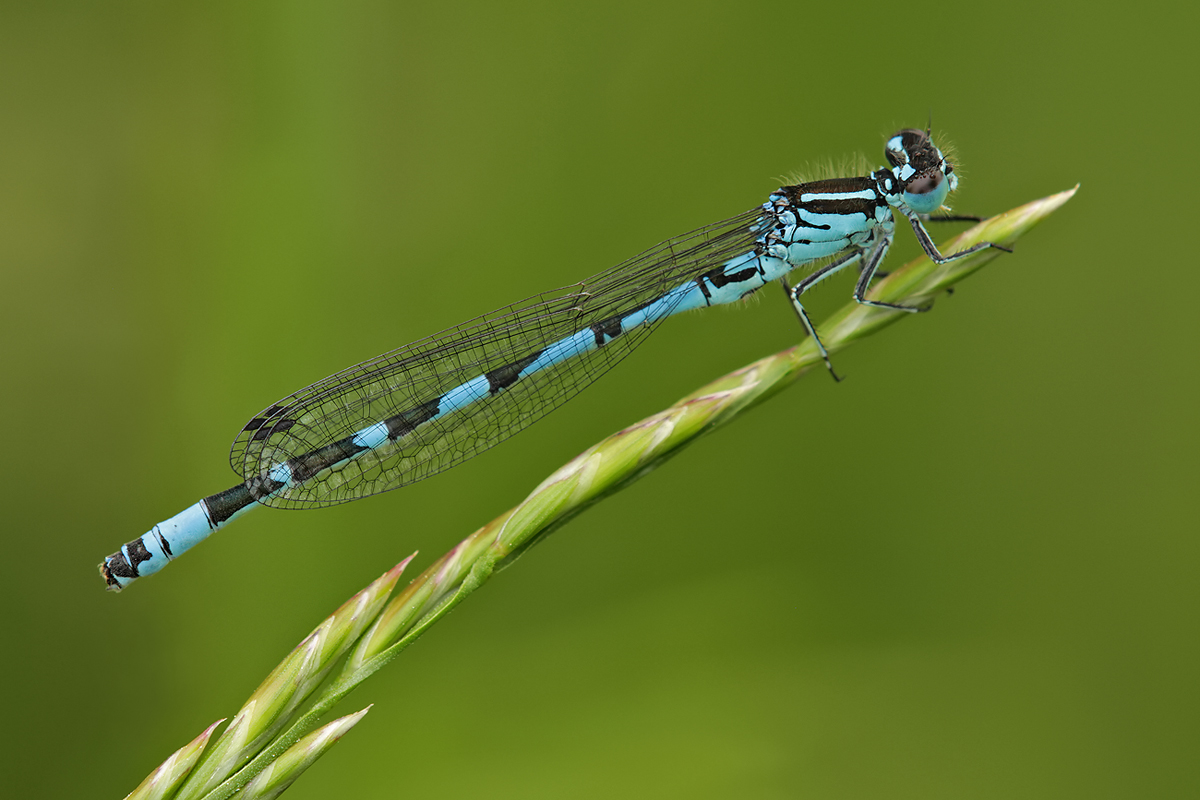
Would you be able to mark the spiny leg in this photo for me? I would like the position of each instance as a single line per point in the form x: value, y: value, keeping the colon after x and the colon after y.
x: 944, y: 218
x: 931, y: 250
x: 955, y: 218
x: 880, y: 273
x: 869, y: 271
x: 947, y: 218
x: 807, y: 283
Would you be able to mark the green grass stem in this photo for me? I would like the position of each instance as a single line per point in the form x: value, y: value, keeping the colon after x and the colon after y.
x: 600, y: 471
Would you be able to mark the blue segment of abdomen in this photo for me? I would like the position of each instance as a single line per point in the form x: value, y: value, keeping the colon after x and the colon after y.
x: 684, y: 297
x: 372, y: 436
x: 166, y: 541
x: 462, y: 396
x: 574, y: 345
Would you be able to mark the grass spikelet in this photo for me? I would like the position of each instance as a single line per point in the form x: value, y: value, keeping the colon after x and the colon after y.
x: 377, y: 636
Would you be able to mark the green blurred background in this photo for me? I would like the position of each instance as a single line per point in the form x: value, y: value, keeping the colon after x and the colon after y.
x: 967, y: 571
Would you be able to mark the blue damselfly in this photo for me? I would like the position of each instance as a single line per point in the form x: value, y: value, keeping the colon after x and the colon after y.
x: 425, y: 407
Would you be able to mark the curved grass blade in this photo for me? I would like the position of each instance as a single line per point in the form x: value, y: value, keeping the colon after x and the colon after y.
x: 162, y: 783
x: 283, y: 772
x: 274, y: 704
x: 604, y: 469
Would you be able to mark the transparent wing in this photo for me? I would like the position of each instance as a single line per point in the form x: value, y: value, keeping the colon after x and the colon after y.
x: 407, y: 383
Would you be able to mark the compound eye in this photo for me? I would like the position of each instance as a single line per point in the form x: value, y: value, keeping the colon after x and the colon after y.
x: 924, y: 184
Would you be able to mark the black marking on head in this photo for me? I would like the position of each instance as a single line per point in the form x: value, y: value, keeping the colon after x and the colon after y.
x: 406, y: 422
x: 306, y: 466
x: 914, y: 139
x: 267, y: 432
x: 503, y: 377
x: 915, y: 146
x: 919, y: 153
x: 223, y: 505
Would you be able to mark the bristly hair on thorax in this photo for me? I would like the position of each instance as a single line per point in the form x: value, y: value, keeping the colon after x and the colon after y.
x: 849, y: 166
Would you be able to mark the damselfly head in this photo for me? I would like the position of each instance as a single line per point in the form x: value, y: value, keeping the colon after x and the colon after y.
x: 925, y: 176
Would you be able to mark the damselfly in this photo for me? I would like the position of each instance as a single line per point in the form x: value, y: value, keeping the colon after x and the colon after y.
x: 430, y: 405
